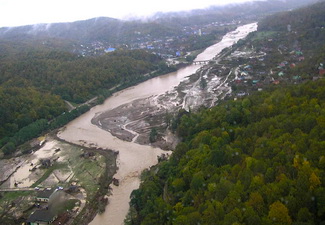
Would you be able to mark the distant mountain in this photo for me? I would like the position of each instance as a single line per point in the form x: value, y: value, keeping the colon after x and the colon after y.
x: 162, y: 24
x: 96, y: 29
x: 252, y: 9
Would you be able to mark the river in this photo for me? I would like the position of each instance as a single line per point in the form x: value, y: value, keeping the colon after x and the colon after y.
x: 134, y: 158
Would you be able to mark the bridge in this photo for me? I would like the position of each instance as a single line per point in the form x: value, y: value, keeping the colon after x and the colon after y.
x: 201, y: 62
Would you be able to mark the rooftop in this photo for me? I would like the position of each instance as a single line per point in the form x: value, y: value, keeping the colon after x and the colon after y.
x: 41, y: 215
x: 45, y: 193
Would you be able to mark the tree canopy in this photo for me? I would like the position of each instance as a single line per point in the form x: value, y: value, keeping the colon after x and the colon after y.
x: 259, y: 160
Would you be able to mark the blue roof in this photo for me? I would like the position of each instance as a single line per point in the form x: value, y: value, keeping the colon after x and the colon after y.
x: 110, y: 49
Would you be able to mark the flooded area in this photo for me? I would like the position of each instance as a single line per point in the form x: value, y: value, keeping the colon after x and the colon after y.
x: 24, y: 171
x: 133, y: 158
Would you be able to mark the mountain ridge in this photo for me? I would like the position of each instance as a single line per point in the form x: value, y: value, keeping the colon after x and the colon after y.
x: 114, y: 30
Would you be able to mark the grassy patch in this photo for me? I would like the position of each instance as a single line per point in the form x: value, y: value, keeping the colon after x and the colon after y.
x: 66, y: 205
x: 86, y: 170
x: 10, y: 196
x: 13, y: 202
x: 48, y: 172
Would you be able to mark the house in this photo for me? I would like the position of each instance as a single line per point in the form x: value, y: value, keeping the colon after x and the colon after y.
x: 301, y: 58
x: 321, y: 69
x: 110, y: 50
x: 40, y: 217
x: 299, y: 52
x: 322, y: 72
x: 241, y: 93
x: 244, y: 73
x: 248, y: 67
x: 45, y: 195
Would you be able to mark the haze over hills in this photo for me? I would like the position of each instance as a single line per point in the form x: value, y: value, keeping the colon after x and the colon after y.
x: 161, y: 24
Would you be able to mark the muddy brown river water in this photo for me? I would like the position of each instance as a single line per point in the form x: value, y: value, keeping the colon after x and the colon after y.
x: 134, y: 158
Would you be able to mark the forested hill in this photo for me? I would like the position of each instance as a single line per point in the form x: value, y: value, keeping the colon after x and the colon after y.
x: 260, y: 160
x: 34, y: 83
x: 257, y: 160
x: 97, y: 29
x: 75, y: 78
x: 308, y: 23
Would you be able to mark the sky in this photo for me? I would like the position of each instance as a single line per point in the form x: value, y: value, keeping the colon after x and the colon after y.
x: 24, y: 12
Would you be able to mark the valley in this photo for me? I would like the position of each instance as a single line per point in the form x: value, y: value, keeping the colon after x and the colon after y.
x: 230, y: 133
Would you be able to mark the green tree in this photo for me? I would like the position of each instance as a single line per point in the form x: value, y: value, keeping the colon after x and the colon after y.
x: 279, y: 214
x: 153, y: 135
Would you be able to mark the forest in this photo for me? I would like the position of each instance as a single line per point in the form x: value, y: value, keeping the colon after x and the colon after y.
x: 259, y: 160
x: 256, y: 160
x: 35, y: 81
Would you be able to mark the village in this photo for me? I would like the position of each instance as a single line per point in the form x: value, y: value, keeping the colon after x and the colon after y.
x: 165, y: 46
x: 265, y: 61
x: 53, y: 183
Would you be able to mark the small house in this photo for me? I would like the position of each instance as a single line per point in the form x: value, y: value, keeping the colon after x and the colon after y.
x: 301, y: 58
x: 244, y: 73
x: 40, y: 217
x: 322, y: 72
x: 248, y: 67
x: 110, y: 50
x: 241, y: 93
x: 45, y: 195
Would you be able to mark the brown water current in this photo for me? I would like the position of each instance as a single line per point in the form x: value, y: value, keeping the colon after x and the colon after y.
x: 134, y: 158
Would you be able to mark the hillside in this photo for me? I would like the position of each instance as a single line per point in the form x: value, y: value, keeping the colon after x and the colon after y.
x: 259, y: 159
x: 35, y: 82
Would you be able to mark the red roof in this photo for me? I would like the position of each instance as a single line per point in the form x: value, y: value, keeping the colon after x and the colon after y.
x: 321, y: 71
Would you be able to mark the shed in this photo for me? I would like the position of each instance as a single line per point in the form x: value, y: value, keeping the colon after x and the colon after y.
x: 42, y: 216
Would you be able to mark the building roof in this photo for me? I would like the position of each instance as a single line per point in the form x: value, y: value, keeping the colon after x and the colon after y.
x: 45, y: 193
x: 110, y: 50
x: 41, y: 215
